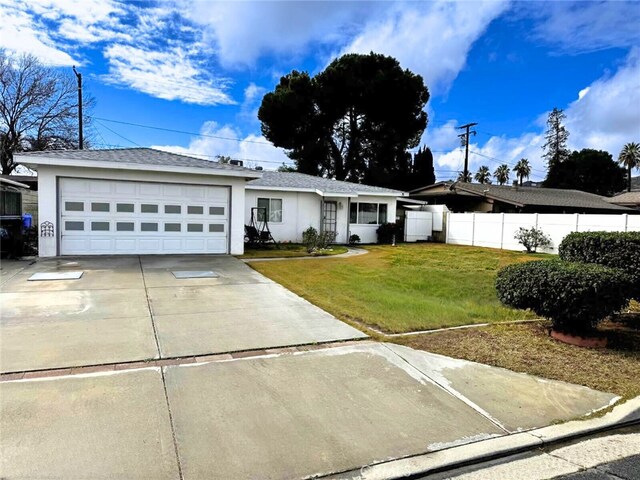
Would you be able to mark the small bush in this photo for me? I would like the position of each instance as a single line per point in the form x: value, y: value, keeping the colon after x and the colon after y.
x: 354, y: 238
x: 611, y: 249
x: 574, y: 296
x: 314, y: 241
x: 388, y: 232
x: 532, y: 238
x: 310, y: 239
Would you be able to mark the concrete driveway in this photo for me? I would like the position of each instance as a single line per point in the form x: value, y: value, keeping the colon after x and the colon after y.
x: 126, y: 309
x: 80, y: 403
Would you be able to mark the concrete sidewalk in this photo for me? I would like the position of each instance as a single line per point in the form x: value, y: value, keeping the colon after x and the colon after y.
x: 357, y: 408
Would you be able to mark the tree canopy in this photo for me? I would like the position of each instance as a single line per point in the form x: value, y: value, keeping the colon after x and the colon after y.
x: 522, y: 169
x: 501, y: 174
x: 353, y: 121
x: 555, y: 147
x: 483, y: 175
x: 630, y: 158
x: 588, y: 170
x: 38, y: 108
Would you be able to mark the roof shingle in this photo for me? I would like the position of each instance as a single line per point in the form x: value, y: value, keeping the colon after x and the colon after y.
x: 294, y: 180
x: 138, y: 156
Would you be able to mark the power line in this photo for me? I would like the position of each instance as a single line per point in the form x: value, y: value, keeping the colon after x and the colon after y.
x: 116, y: 133
x: 206, y: 135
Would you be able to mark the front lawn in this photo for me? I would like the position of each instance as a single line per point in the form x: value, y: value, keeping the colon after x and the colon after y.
x: 290, y: 250
x: 528, y: 348
x: 404, y: 288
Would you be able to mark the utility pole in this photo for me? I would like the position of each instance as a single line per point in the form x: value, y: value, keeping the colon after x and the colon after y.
x: 465, y: 141
x: 80, y: 136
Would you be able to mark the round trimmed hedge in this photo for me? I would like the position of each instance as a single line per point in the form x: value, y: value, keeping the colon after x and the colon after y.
x: 611, y: 249
x: 574, y: 296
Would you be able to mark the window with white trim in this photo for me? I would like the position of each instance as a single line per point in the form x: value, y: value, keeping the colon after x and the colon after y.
x: 363, y: 213
x: 272, y: 207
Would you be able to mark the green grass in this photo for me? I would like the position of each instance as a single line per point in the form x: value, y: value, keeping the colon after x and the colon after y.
x: 404, y: 288
x: 285, y: 250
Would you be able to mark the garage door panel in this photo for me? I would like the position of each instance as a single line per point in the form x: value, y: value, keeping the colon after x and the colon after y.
x: 102, y: 216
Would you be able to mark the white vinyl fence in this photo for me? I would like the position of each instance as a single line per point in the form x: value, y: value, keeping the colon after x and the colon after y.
x: 496, y: 230
x: 418, y: 226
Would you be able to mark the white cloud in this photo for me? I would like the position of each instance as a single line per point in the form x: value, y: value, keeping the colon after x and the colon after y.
x: 607, y: 115
x: 577, y: 27
x: 169, y: 74
x: 19, y: 34
x: 244, y: 31
x: 432, y: 39
x: 227, y: 140
x: 604, y: 117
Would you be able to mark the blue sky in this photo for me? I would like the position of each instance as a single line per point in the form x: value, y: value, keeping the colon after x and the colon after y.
x: 202, y: 67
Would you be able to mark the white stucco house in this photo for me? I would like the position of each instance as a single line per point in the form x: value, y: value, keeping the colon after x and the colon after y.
x: 295, y: 202
x: 145, y: 201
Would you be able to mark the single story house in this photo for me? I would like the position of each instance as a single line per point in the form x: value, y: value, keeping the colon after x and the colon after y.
x: 145, y: 201
x: 475, y: 197
x: 137, y: 201
x: 295, y: 202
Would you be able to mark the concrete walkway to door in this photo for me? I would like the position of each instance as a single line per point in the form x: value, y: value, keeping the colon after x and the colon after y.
x: 79, y: 402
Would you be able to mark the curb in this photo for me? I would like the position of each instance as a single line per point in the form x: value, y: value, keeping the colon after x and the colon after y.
x: 440, y: 461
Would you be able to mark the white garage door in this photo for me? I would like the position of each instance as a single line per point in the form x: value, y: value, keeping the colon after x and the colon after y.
x: 116, y: 217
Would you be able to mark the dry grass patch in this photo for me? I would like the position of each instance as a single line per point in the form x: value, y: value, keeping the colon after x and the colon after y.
x: 528, y: 348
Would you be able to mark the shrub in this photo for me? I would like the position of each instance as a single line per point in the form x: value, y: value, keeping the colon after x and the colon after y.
x: 314, y: 241
x: 574, y: 296
x: 532, y: 238
x: 354, y: 238
x: 387, y: 232
x: 310, y: 239
x: 611, y: 249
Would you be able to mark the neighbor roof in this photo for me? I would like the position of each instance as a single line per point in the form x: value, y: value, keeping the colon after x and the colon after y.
x: 627, y: 199
x: 121, y: 157
x: 324, y: 186
x: 521, y: 196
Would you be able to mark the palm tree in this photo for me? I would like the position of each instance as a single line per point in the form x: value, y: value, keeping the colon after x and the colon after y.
x: 630, y: 158
x: 483, y: 175
x: 522, y: 169
x: 502, y: 174
x: 464, y: 177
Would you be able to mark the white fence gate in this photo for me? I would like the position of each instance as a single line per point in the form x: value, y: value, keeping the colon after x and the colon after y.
x: 418, y: 226
x: 496, y: 230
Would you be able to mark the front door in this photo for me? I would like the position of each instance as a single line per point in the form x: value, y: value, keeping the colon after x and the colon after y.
x: 329, y: 216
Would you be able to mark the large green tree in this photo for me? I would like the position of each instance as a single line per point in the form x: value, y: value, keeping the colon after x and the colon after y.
x: 630, y: 158
x: 588, y: 170
x: 483, y: 175
x: 522, y: 169
x: 353, y: 121
x: 501, y: 174
x: 556, y: 135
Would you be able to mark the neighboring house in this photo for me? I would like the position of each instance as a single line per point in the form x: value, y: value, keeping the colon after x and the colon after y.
x: 473, y: 197
x: 295, y: 202
x: 30, y: 196
x: 11, y: 193
x: 629, y: 199
x: 137, y: 201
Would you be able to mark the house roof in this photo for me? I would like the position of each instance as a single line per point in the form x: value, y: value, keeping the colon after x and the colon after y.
x: 133, y: 158
x: 521, y: 196
x: 12, y: 183
x: 626, y: 198
x: 308, y: 183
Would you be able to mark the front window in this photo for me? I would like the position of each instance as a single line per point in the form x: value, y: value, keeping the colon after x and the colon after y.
x: 368, y: 213
x: 272, y: 207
